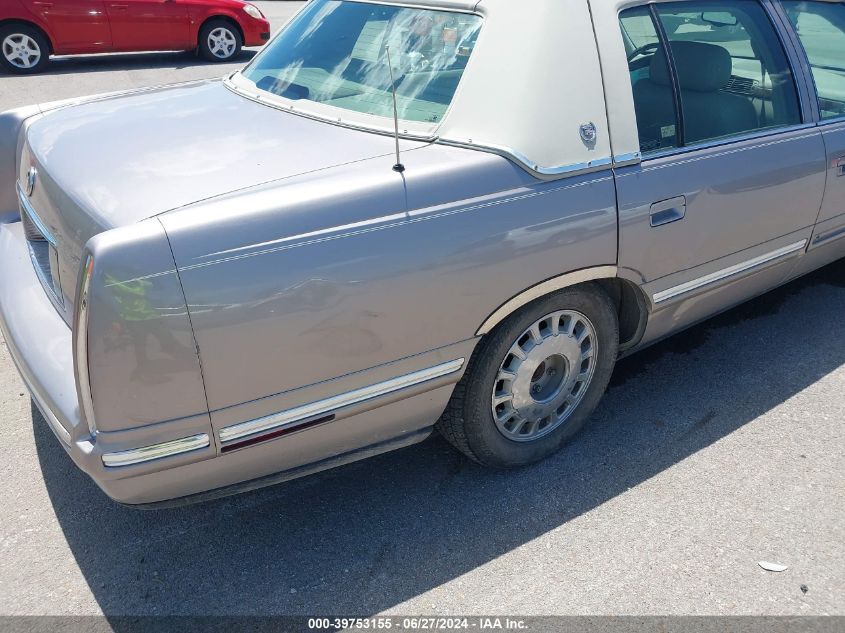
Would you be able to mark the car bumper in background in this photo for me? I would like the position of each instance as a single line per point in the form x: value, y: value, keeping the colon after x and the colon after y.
x: 256, y: 32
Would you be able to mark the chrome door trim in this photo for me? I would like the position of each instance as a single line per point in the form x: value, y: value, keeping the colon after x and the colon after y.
x: 156, y: 451
x: 835, y: 234
x: 725, y: 273
x: 832, y: 121
x: 521, y: 160
x: 631, y: 158
x: 326, y: 406
x: 761, y: 135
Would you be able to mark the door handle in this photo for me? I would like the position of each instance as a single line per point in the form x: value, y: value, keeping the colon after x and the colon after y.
x: 668, y: 211
x: 840, y: 167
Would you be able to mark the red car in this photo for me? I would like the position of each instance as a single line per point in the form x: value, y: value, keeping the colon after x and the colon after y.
x: 32, y: 30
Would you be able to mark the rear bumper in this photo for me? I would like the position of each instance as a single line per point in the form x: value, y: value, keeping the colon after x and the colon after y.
x: 39, y: 341
x: 41, y: 346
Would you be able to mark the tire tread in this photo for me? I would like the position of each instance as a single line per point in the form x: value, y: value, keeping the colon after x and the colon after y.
x: 453, y: 422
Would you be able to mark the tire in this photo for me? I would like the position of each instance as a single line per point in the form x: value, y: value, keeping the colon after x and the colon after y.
x: 23, y: 49
x: 220, y: 41
x: 469, y: 422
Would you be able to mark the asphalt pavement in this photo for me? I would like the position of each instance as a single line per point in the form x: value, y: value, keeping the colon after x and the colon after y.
x: 712, y: 451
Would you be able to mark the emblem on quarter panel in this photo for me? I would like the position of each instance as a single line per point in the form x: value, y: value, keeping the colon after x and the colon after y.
x: 589, y: 133
x: 31, y: 177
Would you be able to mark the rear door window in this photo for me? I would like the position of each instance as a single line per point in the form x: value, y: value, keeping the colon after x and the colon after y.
x: 821, y: 29
x: 721, y: 63
x: 656, y: 111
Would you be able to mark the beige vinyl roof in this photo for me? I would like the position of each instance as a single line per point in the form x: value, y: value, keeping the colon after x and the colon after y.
x: 534, y: 79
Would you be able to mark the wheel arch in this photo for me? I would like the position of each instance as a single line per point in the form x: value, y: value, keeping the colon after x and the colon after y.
x: 24, y: 22
x: 220, y: 16
x: 630, y: 300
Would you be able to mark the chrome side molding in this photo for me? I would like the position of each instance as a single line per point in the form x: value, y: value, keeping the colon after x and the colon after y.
x: 731, y: 271
x: 156, y: 451
x: 328, y: 406
x: 830, y: 236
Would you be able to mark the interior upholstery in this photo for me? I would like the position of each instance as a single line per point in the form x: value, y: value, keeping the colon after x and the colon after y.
x: 709, y: 112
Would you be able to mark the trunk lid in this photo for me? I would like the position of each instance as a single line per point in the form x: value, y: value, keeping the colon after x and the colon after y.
x: 118, y: 160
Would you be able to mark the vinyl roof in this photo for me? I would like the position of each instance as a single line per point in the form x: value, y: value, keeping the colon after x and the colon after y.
x: 533, y: 82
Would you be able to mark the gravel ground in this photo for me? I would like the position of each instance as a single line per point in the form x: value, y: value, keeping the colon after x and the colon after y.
x: 714, y: 450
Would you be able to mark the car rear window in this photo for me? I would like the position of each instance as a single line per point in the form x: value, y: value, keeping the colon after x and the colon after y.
x: 336, y: 53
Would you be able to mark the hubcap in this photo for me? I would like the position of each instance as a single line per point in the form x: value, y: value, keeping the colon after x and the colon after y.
x: 222, y: 43
x: 544, y: 376
x: 21, y: 50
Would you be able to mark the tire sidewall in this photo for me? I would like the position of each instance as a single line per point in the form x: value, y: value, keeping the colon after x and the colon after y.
x: 484, y: 437
x: 33, y: 33
x: 205, y: 50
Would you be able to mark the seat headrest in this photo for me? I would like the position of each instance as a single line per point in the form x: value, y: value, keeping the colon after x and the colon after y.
x: 701, y: 67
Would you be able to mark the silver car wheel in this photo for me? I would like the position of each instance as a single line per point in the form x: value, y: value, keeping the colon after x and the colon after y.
x: 222, y: 43
x: 21, y: 51
x: 544, y: 376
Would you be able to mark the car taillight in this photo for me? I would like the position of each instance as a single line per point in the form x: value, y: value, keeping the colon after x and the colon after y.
x: 80, y: 344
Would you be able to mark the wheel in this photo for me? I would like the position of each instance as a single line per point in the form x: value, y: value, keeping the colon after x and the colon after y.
x: 220, y: 41
x: 24, y: 49
x: 535, y: 379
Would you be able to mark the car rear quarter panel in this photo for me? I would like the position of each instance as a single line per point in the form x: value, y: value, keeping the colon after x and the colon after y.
x: 349, y: 269
x: 142, y: 360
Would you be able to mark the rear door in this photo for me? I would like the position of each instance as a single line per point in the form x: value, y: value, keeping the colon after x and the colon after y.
x: 148, y: 25
x: 732, y: 177
x: 77, y: 26
x: 820, y: 29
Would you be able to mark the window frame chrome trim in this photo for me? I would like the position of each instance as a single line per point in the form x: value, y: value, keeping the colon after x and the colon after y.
x: 833, y: 121
x: 728, y: 140
x: 726, y: 273
x: 551, y: 173
x: 153, y: 452
x: 631, y: 158
x: 326, y: 406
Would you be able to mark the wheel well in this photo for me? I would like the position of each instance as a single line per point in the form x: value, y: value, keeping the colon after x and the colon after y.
x: 224, y: 18
x: 31, y: 25
x: 632, y: 309
x: 631, y: 303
